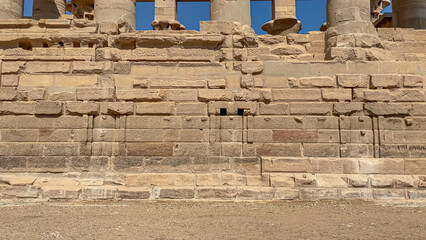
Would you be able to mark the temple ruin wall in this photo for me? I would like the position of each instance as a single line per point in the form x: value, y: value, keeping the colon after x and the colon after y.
x: 96, y: 110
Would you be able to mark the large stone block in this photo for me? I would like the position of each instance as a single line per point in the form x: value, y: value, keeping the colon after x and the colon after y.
x: 48, y: 108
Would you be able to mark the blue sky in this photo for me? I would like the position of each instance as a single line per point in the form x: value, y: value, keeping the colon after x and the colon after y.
x: 312, y: 13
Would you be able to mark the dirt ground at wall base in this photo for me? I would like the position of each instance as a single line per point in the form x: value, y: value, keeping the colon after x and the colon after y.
x: 213, y: 220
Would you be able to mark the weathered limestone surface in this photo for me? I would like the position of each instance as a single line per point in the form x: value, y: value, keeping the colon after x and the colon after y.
x: 11, y: 9
x: 95, y: 110
x: 231, y: 10
x: 409, y: 14
x: 48, y: 9
x: 107, y: 11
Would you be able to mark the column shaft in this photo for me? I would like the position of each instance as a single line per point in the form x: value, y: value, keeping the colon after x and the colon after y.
x: 283, y: 9
x: 409, y: 13
x: 114, y: 10
x: 48, y: 9
x: 231, y: 10
x: 11, y: 8
x: 165, y: 10
x: 349, y: 16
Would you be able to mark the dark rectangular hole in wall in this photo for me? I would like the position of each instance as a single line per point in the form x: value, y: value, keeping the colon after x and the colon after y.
x: 223, y: 112
x: 240, y: 112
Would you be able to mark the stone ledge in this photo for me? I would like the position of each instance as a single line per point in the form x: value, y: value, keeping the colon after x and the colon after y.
x: 226, y: 186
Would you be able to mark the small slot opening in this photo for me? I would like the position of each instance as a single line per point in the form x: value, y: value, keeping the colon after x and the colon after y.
x: 45, y: 45
x: 76, y: 44
x: 240, y: 112
x: 223, y: 112
x: 61, y: 44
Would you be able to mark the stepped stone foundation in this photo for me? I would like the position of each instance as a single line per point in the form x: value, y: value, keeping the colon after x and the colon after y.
x: 91, y: 109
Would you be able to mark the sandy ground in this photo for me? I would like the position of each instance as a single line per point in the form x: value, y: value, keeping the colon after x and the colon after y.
x: 212, y: 220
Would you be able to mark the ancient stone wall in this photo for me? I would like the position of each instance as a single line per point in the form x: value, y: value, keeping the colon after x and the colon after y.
x: 94, y: 111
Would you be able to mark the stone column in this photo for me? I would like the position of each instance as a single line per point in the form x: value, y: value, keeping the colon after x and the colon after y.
x: 166, y: 15
x: 11, y: 9
x: 409, y: 13
x: 114, y: 10
x: 231, y: 10
x: 165, y: 9
x: 349, y: 29
x: 48, y: 9
x: 284, y: 20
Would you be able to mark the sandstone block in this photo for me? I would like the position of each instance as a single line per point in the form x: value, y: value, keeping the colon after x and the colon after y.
x: 12, y: 67
x: 278, y: 150
x: 408, y: 95
x: 9, y: 80
x: 21, y: 192
x: 149, y: 149
x: 37, y: 94
x: 381, y: 166
x: 286, y: 193
x: 320, y: 82
x: 255, y: 193
x: 331, y: 181
x: 89, y: 67
x: 217, y: 193
x: 318, y: 194
x: 8, y: 93
x: 348, y: 108
x: 27, y: 80
x: 247, y: 165
x: 368, y: 95
x: 183, y: 95
x: 337, y: 94
x: 82, y: 108
x: 414, y: 166
x: 356, y: 193
x: 75, y: 80
x: 47, y: 67
x: 217, y: 83
x: 120, y: 108
x: 137, y: 180
x: 252, y: 67
x: 48, y: 108
x: 18, y: 180
x: 419, y: 109
x: 99, y: 193
x: 154, y: 108
x: 311, y: 108
x: 386, y: 81
x: 176, y: 193
x: 215, y: 95
x: 140, y: 95
x: 353, y: 80
x: 137, y: 83
x: 288, y: 50
x: 296, y: 94
x: 60, y: 192
x: 388, y: 109
x: 334, y: 165
x: 94, y: 94
x: 134, y: 193
x: 413, y: 81
x: 16, y: 108
x: 191, y: 109
x: 296, y: 136
x: 177, y: 83
x: 274, y: 109
x: 389, y: 194
x: 282, y: 180
x: 321, y: 150
x: 304, y: 179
